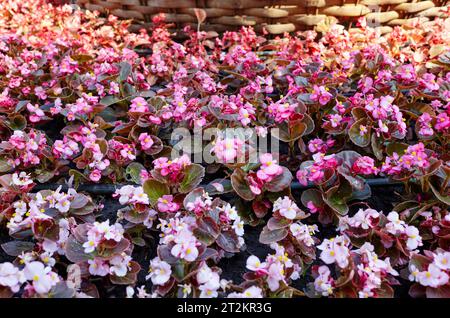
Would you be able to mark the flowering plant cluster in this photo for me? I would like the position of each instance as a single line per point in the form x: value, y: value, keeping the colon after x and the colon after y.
x: 86, y: 104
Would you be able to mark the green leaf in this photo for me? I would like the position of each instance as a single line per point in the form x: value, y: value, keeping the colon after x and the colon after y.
x: 4, y: 165
x: 228, y: 240
x: 276, y: 224
x: 240, y: 185
x: 290, y: 131
x: 337, y: 197
x: 79, y: 201
x: 44, y: 176
x: 125, y: 71
x: 207, y: 230
x: 61, y: 290
x: 356, y: 137
x: 17, y: 122
x: 218, y: 186
x: 20, y: 105
x: 268, y: 237
x: 280, y: 182
x: 155, y: 190
x: 133, y: 172
x: 193, y: 175
x: 442, y: 198
x: 397, y: 147
x: 75, y: 251
x: 313, y: 195
x: 109, y: 100
x: 15, y: 248
x: 77, y: 177
x: 376, y: 144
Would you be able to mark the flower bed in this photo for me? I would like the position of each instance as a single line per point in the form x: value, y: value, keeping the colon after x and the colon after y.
x: 85, y: 104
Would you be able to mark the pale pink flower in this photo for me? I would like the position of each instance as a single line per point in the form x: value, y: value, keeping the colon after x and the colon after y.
x: 320, y: 94
x: 146, y: 141
x: 159, y: 271
x: 269, y: 168
x: 166, y: 204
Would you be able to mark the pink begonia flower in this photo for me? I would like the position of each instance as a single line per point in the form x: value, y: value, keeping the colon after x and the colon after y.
x: 275, y: 274
x: 363, y: 219
x: 335, y: 120
x: 320, y: 94
x: 139, y: 196
x: 335, y: 251
x: 318, y: 145
x: 159, y: 271
x: 365, y: 84
x: 185, y: 247
x: 17, y: 139
x: 251, y: 292
x: 42, y: 278
x: 414, y: 157
x: 36, y: 113
x: 323, y: 283
x: 238, y: 226
x: 433, y: 277
x: 114, y: 88
x: 95, y: 175
x: 286, y: 207
x: 302, y: 177
x: 365, y: 166
x: 166, y: 204
x: 269, y: 168
x: 209, y: 288
x: 99, y: 232
x: 146, y: 141
x: 98, y: 267
x: 167, y: 166
x: 316, y: 174
x: 406, y: 73
x: 11, y: 276
x: 139, y: 105
x: 125, y: 194
x: 261, y: 131
x: 128, y: 152
x: 255, y: 183
x: 414, y: 239
x: 442, y: 122
x: 228, y: 149
x: 428, y: 81
x: 62, y: 202
x: 442, y: 260
x: 65, y: 148
x: 204, y: 274
x: 40, y: 92
x: 281, y: 110
x: 119, y: 265
x: 200, y: 205
x: 314, y: 209
x: 254, y: 264
x: 21, y: 179
x: 424, y: 122
x: 362, y: 130
x: 303, y: 232
x: 246, y: 115
x: 395, y: 225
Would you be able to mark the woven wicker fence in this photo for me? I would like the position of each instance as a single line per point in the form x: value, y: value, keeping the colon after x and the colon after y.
x: 275, y: 16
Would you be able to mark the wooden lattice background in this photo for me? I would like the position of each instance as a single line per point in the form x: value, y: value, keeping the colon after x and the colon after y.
x: 275, y: 16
